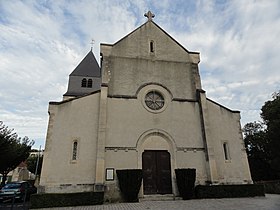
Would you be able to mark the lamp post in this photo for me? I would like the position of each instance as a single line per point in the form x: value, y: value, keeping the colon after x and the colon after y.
x: 37, y: 163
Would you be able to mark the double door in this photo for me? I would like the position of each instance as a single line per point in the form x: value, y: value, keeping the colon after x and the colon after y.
x: 156, y: 172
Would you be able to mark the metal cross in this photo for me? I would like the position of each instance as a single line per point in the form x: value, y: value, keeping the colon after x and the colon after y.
x: 92, y: 43
x: 149, y: 15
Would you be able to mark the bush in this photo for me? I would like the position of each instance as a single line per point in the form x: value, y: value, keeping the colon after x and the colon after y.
x: 229, y: 191
x: 130, y: 183
x: 66, y: 199
x: 272, y: 187
x: 185, y: 181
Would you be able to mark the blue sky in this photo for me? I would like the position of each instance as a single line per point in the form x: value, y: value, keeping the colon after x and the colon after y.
x: 41, y: 42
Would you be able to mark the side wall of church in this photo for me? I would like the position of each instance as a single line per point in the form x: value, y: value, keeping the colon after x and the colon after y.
x: 70, y: 122
x: 225, y: 129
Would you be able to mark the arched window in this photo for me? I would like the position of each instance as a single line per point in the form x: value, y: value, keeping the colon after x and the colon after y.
x: 84, y: 82
x: 152, y: 47
x: 74, y: 152
x: 89, y: 84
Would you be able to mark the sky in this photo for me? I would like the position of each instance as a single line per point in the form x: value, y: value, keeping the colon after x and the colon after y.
x: 41, y: 43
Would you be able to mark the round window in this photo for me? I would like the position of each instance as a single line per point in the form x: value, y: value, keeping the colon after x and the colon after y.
x: 154, y: 100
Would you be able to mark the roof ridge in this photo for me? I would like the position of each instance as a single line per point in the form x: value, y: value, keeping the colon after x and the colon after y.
x: 151, y: 21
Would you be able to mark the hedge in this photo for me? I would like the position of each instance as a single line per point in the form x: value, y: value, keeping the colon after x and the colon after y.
x: 130, y: 182
x: 229, y: 191
x: 272, y: 187
x: 66, y: 199
x: 185, y: 181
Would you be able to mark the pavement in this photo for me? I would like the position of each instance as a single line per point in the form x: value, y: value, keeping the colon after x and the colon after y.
x: 15, y: 206
x: 269, y: 202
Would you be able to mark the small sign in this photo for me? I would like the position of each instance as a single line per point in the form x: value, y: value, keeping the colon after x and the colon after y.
x: 109, y: 174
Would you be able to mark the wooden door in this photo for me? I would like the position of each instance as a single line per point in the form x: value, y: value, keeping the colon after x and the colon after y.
x: 156, y: 172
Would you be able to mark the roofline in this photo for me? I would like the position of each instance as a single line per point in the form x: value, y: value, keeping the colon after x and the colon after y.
x: 233, y: 111
x: 190, y: 52
x: 175, y: 39
x: 72, y: 99
x: 107, y: 44
x: 90, y: 52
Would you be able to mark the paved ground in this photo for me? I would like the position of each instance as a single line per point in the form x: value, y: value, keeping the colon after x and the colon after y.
x: 16, y: 206
x: 270, y: 202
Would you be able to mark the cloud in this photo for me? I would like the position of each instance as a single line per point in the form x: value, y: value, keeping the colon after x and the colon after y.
x: 43, y: 41
x: 238, y: 45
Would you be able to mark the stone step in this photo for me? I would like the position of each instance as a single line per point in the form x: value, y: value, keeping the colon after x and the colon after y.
x: 157, y: 197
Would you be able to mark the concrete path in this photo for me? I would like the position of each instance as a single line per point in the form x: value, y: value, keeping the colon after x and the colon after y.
x: 270, y: 202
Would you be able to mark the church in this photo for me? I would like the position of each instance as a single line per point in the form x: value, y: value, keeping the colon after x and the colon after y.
x: 143, y: 108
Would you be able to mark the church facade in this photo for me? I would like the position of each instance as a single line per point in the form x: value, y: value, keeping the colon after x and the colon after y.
x: 143, y: 109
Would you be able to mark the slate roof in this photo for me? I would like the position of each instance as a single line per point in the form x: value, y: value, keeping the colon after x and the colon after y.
x: 87, y: 67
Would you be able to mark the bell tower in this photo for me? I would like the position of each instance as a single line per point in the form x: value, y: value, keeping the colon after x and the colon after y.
x: 85, y: 78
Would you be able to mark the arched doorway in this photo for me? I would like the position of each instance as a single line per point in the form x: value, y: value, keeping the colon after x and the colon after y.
x: 156, y: 172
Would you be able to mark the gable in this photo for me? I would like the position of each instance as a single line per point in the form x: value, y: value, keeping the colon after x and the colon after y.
x: 137, y: 44
x: 132, y: 64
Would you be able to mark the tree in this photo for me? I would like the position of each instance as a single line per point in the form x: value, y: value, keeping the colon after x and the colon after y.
x: 262, y: 142
x: 256, y: 146
x: 13, y: 150
x: 270, y: 114
x: 32, y: 164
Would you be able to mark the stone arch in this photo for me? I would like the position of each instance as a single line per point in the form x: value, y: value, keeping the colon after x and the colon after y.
x: 155, y: 132
x: 153, y: 84
x: 156, y: 139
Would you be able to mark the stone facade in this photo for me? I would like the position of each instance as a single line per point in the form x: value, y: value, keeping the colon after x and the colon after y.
x: 149, y: 99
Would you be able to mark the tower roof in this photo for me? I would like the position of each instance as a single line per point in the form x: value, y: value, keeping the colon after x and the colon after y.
x: 87, y: 67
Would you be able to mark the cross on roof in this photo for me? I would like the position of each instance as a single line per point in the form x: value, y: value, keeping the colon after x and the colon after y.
x: 149, y: 15
x: 92, y: 43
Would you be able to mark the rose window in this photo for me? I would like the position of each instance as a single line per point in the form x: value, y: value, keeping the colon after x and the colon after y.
x: 154, y: 100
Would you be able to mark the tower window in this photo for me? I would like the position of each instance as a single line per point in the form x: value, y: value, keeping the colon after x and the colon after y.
x: 74, y: 152
x: 84, y: 82
x: 89, y: 84
x: 226, y: 151
x: 152, y: 46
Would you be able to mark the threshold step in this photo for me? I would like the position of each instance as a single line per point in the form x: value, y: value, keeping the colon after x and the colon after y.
x: 157, y: 197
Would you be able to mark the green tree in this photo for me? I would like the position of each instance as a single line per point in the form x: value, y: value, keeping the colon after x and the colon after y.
x: 13, y: 150
x: 256, y: 144
x: 262, y: 142
x: 270, y: 114
x: 32, y: 164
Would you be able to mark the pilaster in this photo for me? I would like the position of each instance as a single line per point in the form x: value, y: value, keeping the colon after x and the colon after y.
x: 211, y: 165
x: 102, y: 125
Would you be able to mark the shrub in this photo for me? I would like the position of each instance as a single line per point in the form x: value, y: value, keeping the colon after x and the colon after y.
x: 185, y: 181
x: 229, y: 191
x: 272, y: 187
x: 130, y: 183
x: 66, y: 199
